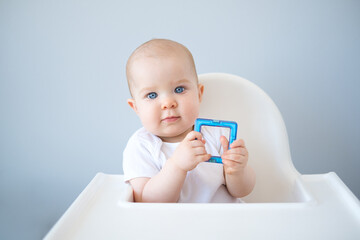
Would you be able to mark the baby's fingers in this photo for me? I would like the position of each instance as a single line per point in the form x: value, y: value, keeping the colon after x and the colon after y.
x: 237, y: 143
x: 199, y: 151
x: 234, y: 157
x: 224, y: 143
x: 204, y: 157
x: 193, y: 135
x: 197, y: 143
x: 238, y: 150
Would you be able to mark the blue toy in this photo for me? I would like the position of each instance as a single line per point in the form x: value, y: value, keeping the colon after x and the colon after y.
x: 217, y: 123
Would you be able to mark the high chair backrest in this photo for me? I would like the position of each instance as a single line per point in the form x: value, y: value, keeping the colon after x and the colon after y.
x: 230, y: 97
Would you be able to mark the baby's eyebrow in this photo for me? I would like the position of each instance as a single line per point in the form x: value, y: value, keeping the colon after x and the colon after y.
x: 146, y: 90
x: 183, y: 81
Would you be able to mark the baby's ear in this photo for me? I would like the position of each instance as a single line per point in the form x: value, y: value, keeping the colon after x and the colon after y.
x: 132, y: 104
x: 201, y: 91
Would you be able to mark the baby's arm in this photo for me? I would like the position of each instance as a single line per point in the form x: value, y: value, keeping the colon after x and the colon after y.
x: 239, y: 177
x: 167, y: 184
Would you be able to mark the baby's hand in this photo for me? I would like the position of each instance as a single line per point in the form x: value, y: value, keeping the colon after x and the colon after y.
x: 190, y: 152
x: 234, y: 159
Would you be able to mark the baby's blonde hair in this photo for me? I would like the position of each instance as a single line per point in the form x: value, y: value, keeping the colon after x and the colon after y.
x: 157, y: 48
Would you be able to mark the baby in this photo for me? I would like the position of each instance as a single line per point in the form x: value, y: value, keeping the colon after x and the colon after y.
x: 165, y: 161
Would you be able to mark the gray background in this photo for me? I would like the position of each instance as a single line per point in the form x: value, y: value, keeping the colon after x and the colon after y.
x: 63, y: 90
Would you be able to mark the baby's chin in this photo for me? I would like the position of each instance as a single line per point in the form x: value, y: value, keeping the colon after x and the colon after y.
x: 174, y: 136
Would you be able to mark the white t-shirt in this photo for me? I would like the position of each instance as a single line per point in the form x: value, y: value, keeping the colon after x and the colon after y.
x: 145, y: 155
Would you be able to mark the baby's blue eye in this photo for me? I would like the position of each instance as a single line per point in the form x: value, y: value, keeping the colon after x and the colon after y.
x: 152, y: 95
x: 179, y: 89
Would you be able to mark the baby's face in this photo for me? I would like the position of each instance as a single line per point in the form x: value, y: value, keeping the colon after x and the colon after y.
x: 166, y: 96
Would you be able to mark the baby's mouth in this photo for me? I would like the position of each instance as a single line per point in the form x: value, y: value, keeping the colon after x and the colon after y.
x: 170, y: 119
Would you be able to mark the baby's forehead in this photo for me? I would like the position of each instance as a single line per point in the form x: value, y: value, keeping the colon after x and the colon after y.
x: 154, y: 50
x: 154, y: 54
x: 160, y: 49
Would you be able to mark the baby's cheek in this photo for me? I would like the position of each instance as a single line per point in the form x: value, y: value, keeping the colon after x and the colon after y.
x: 192, y: 109
x: 147, y: 117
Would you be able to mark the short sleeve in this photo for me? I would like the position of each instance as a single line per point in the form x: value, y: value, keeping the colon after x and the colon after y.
x: 138, y: 160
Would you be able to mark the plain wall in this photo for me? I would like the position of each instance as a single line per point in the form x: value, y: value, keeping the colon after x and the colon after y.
x: 63, y: 90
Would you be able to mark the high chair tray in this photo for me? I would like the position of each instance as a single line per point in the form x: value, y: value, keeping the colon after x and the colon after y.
x: 103, y: 211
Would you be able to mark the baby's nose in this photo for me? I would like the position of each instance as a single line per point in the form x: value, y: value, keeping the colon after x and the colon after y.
x: 168, y: 103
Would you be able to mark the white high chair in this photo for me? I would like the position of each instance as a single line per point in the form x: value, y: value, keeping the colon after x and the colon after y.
x: 283, y: 205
